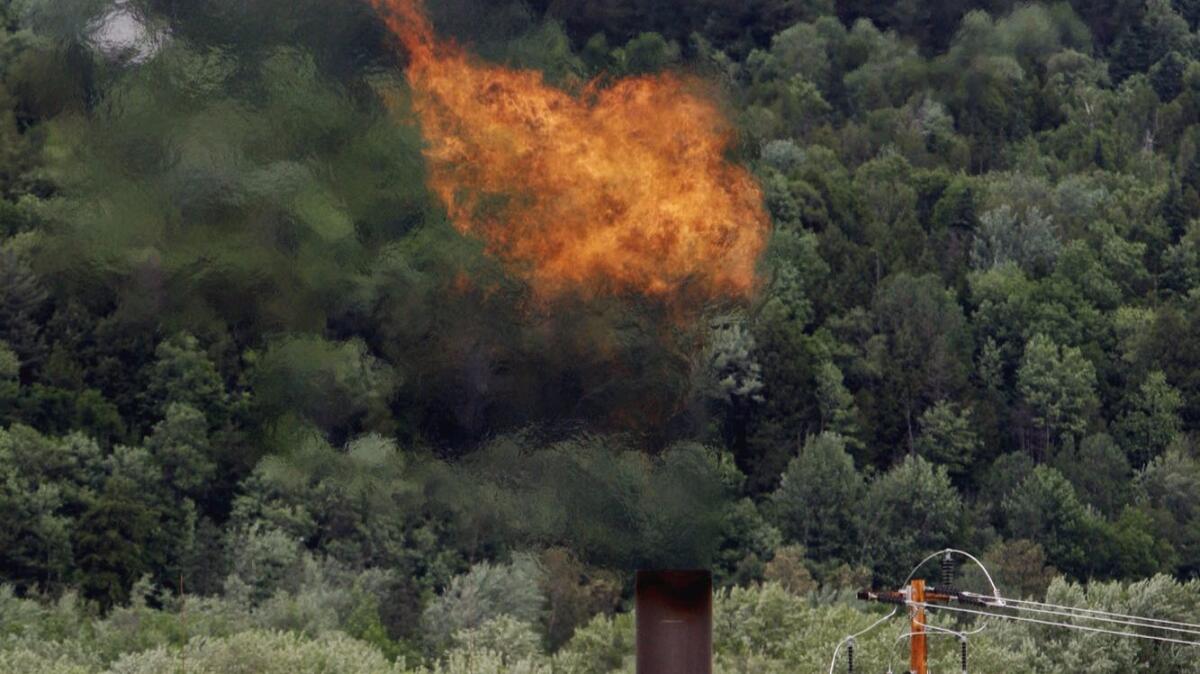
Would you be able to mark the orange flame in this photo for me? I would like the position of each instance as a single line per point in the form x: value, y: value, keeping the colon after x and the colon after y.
x: 624, y: 188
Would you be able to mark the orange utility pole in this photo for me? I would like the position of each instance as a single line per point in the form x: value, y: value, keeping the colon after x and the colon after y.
x: 918, y: 650
x: 915, y: 597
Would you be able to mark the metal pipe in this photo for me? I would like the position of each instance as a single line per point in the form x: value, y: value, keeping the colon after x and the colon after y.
x: 674, y: 622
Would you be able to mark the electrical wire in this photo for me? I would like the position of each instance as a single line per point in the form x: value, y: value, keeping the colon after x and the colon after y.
x: 852, y: 637
x: 1130, y: 623
x: 961, y: 635
x: 1081, y: 610
x: 938, y: 631
x: 1070, y: 613
x: 1064, y: 611
x: 1027, y: 606
x: 973, y: 558
x: 1085, y: 628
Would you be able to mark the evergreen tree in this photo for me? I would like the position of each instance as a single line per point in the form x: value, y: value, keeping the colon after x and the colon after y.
x: 1045, y: 509
x: 1058, y: 384
x: 1153, y: 423
x: 814, y: 504
x: 912, y: 509
x: 22, y: 299
x: 947, y: 438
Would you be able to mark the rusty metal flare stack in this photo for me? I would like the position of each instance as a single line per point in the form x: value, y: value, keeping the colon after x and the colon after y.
x: 674, y: 622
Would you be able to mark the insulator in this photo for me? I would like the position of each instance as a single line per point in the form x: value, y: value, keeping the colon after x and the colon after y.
x: 963, y: 644
x: 850, y: 657
x: 947, y: 571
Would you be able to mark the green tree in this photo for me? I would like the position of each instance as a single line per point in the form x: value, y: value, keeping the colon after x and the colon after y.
x: 44, y: 484
x: 735, y: 377
x: 912, y: 509
x: 814, y: 504
x: 185, y: 375
x: 1144, y: 42
x: 947, y: 437
x: 748, y: 540
x: 1058, y: 384
x: 22, y: 299
x: 1045, y: 509
x: 921, y: 352
x: 485, y: 592
x: 839, y: 414
x: 1153, y: 423
x: 1019, y: 568
x: 896, y: 239
x: 115, y: 541
x: 1169, y: 487
x: 1166, y: 76
x: 339, y: 386
x: 10, y: 368
x: 358, y: 503
x: 646, y: 53
x: 1030, y: 241
x: 1169, y: 344
x: 179, y: 444
x: 1099, y: 470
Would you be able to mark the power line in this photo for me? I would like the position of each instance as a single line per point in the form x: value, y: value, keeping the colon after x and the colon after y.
x: 984, y: 599
x: 914, y: 595
x: 961, y: 635
x: 852, y: 637
x: 938, y: 631
x: 1133, y: 622
x: 973, y: 558
x: 1098, y: 630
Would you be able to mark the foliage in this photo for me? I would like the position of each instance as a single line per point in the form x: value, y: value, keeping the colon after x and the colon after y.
x: 1099, y: 471
x: 261, y: 652
x: 1153, y: 423
x: 1058, y: 384
x: 787, y: 569
x: 1019, y: 566
x: 1168, y: 488
x: 813, y: 505
x: 763, y: 627
x: 478, y: 598
x: 913, y: 508
x: 947, y: 437
x: 1044, y: 508
x: 574, y: 593
x: 250, y: 373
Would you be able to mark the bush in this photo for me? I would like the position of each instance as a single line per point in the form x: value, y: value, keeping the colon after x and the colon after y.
x: 788, y: 569
x: 574, y: 593
x: 30, y: 662
x: 261, y: 652
x: 604, y: 644
x: 485, y: 592
x: 504, y: 635
x: 484, y: 662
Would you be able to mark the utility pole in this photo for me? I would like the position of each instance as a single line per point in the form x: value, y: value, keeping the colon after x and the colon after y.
x: 916, y: 596
x: 918, y: 650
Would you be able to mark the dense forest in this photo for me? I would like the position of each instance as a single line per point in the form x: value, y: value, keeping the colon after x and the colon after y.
x: 264, y: 407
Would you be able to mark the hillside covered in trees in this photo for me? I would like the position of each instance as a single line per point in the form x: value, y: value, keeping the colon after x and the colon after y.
x: 263, y: 403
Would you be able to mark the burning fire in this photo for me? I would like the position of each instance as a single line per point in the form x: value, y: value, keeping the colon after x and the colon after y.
x: 624, y: 188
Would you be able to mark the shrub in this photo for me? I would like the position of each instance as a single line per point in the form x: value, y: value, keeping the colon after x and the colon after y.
x: 260, y: 652
x: 486, y: 591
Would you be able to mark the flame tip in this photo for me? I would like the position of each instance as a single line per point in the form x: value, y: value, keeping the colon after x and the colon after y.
x: 623, y: 187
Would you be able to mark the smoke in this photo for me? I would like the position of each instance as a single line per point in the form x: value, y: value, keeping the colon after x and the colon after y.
x: 614, y: 505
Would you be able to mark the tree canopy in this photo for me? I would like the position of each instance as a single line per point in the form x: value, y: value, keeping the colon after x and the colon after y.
x: 251, y: 371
